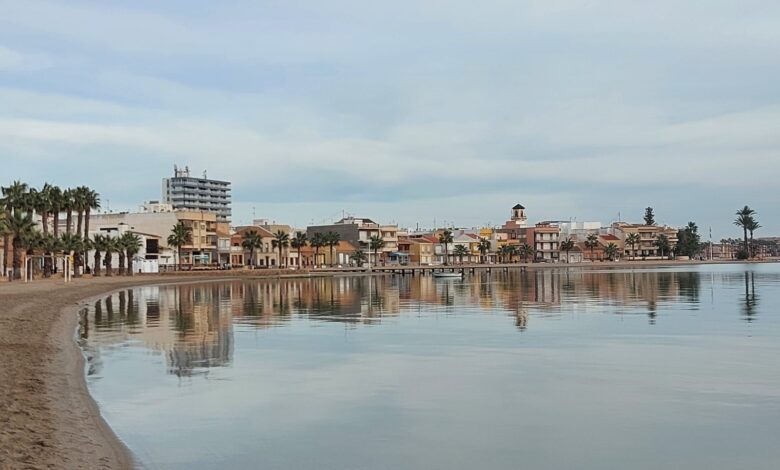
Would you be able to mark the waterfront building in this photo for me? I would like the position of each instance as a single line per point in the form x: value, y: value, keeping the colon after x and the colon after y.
x: 648, y: 235
x: 358, y: 232
x: 184, y: 192
x: 202, y: 251
x: 545, y: 237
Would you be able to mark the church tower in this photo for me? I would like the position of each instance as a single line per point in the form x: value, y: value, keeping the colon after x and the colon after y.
x: 518, y: 216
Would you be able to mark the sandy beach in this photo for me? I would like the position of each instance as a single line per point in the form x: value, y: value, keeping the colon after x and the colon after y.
x: 47, y: 417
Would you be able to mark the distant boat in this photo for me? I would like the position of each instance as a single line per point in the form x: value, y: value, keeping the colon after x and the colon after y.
x: 455, y: 275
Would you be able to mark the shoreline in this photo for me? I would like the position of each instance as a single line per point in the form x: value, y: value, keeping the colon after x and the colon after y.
x: 49, y: 418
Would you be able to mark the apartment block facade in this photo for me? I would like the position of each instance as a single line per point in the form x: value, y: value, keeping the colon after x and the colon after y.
x: 184, y: 192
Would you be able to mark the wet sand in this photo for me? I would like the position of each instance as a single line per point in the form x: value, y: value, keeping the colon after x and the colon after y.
x: 47, y: 417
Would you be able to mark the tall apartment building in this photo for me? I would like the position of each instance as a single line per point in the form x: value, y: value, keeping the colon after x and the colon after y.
x: 184, y: 192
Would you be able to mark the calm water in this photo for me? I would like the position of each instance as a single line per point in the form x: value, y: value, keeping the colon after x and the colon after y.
x: 549, y: 369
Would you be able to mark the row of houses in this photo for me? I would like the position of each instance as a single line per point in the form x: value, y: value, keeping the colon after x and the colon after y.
x: 216, y: 243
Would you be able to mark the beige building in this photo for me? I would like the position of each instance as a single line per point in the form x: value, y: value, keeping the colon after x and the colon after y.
x: 201, y: 252
x: 648, y: 236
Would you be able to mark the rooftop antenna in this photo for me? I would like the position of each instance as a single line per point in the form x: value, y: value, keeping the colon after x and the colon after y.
x: 204, y: 175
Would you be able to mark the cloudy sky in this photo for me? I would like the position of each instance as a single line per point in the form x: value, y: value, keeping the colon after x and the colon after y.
x: 404, y: 111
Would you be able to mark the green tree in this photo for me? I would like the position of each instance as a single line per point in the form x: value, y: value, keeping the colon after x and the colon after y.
x: 445, y: 238
x: 317, y: 242
x: 281, y: 241
x: 745, y: 219
x: 181, y: 235
x: 68, y: 204
x: 688, y: 241
x: 460, y: 251
x: 649, y: 216
x: 99, y: 245
x: 359, y: 258
x: 484, y: 248
x: 375, y: 243
x: 72, y: 245
x: 663, y: 245
x: 611, y: 250
x: 633, y: 239
x: 50, y: 245
x: 251, y: 241
x: 112, y: 246
x: 13, y: 199
x: 299, y: 241
x: 332, y: 239
x: 753, y: 225
x: 132, y: 245
x: 567, y: 245
x: 592, y: 242
x: 55, y: 198
x: 21, y: 229
x: 526, y: 251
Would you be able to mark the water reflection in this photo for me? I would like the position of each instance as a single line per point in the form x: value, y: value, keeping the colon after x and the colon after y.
x: 432, y: 373
x: 192, y: 325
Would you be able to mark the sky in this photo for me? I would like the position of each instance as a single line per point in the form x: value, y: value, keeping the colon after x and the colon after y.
x: 406, y: 111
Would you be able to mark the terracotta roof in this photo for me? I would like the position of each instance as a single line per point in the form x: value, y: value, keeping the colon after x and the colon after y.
x: 609, y: 237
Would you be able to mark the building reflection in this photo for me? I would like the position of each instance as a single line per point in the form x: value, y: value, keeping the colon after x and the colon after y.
x: 192, y: 325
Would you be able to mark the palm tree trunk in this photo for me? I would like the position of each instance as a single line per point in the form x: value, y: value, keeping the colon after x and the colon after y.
x: 96, y: 270
x: 68, y: 221
x: 79, y: 221
x: 747, y: 248
x: 179, y: 251
x: 129, y: 257
x: 86, y: 223
x: 17, y: 254
x: 6, y: 252
x: 56, y: 214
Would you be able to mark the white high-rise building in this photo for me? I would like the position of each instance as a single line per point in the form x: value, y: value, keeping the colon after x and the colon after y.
x: 184, y: 192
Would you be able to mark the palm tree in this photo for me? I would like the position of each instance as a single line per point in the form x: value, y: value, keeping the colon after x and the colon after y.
x: 752, y: 226
x: 13, y: 196
x: 611, y: 250
x: 567, y: 245
x: 633, y: 239
x: 376, y: 243
x: 317, y: 242
x: 132, y: 245
x: 662, y: 242
x: 50, y: 245
x: 251, y: 241
x: 91, y: 202
x: 358, y: 257
x: 119, y: 245
x: 332, y: 239
x: 460, y: 251
x: 98, y: 244
x: 55, y: 199
x: 744, y: 219
x: 68, y: 203
x: 445, y: 238
x: 80, y: 206
x: 181, y: 234
x: 484, y: 248
x: 72, y: 245
x: 20, y: 227
x: 526, y: 250
x: 111, y: 246
x: 298, y: 242
x: 592, y: 241
x: 281, y: 240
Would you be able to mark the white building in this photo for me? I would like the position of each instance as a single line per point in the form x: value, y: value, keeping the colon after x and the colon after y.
x: 184, y: 192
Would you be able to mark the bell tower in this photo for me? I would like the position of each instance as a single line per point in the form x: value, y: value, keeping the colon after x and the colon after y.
x: 518, y: 216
